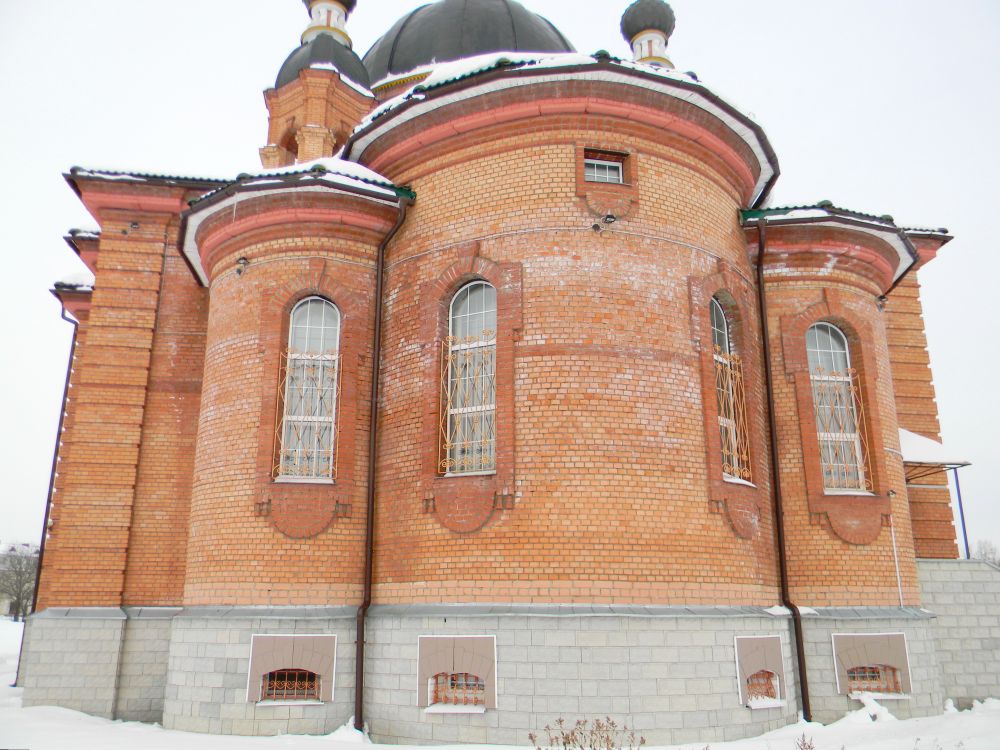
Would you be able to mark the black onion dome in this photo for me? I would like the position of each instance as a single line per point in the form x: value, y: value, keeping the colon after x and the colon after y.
x: 454, y: 29
x: 643, y: 15
x: 349, y: 4
x: 323, y: 49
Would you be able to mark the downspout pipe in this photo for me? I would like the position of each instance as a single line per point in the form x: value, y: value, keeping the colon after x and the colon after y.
x: 366, y: 602
x: 779, y: 513
x: 52, y: 480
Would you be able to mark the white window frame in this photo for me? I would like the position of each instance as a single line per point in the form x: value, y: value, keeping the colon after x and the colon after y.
x: 295, y: 359
x: 840, y: 380
x: 607, y: 166
x: 723, y: 357
x: 471, y: 345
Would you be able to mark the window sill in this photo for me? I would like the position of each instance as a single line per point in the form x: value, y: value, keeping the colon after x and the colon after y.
x: 447, y: 708
x: 736, y: 480
x: 491, y: 472
x: 850, y: 493
x: 303, y: 480
x: 881, y: 696
x: 290, y: 703
x: 756, y: 704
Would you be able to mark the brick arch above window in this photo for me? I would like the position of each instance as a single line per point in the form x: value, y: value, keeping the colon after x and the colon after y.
x: 466, y: 504
x: 855, y: 518
x: 302, y: 510
x: 744, y: 505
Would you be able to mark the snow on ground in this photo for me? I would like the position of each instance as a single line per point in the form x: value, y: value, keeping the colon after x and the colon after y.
x: 58, y: 728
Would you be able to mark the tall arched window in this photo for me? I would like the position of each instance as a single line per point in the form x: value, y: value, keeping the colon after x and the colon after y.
x: 307, y: 432
x: 730, y: 397
x: 838, y: 409
x: 468, y: 379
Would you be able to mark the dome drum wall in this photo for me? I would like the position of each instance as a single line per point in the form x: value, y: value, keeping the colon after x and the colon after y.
x: 605, y: 383
x: 844, y: 533
x: 248, y: 531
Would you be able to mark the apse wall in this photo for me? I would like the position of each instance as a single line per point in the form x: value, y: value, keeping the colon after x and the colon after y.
x: 608, y: 486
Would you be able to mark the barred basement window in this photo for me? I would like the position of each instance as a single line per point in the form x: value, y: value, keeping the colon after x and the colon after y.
x: 306, y: 434
x: 290, y: 685
x: 731, y: 400
x: 459, y: 689
x: 879, y: 678
x: 468, y: 382
x: 762, y: 684
x: 838, y: 408
x: 603, y: 166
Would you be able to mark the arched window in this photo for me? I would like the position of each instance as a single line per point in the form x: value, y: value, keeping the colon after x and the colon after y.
x: 730, y: 396
x: 307, y: 432
x: 762, y: 684
x: 458, y: 689
x: 468, y: 380
x: 874, y: 678
x: 290, y: 685
x: 838, y: 409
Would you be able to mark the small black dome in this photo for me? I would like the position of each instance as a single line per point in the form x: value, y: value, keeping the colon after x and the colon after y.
x: 643, y: 15
x: 323, y: 49
x: 454, y: 29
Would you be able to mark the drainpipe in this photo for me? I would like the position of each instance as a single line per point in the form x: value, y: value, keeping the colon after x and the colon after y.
x: 52, y: 482
x: 366, y: 602
x: 779, y: 513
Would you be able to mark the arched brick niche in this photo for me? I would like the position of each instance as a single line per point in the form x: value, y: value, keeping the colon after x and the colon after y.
x: 741, y: 501
x: 465, y: 504
x: 857, y: 518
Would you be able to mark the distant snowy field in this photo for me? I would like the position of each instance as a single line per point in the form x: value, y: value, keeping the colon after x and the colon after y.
x: 58, y: 728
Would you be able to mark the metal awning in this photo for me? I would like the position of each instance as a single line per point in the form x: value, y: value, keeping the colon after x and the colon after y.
x: 923, y: 456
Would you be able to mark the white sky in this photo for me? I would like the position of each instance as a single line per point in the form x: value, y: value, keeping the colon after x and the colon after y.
x: 882, y: 106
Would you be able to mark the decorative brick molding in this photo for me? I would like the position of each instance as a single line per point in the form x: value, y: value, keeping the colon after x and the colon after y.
x: 742, y: 504
x: 855, y: 518
x: 465, y: 504
x: 297, y: 509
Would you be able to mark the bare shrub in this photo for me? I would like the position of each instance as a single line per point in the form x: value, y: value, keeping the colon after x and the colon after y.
x: 599, y: 734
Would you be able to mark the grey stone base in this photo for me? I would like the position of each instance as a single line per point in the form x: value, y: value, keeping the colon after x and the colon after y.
x: 827, y: 704
x: 965, y: 596
x: 669, y: 673
x: 206, y: 687
x: 71, y: 659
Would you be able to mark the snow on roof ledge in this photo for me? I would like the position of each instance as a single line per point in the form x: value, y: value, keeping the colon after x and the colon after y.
x: 917, y: 449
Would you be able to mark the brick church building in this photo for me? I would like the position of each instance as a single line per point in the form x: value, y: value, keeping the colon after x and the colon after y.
x: 500, y: 393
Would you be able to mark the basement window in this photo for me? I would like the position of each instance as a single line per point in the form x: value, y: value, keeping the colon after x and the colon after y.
x: 875, y: 663
x: 760, y: 671
x: 456, y: 674
x: 290, y: 685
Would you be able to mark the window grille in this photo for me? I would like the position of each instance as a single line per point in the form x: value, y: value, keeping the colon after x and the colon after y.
x: 459, y: 689
x: 729, y: 391
x: 762, y: 684
x: 839, y: 410
x: 310, y: 384
x: 290, y: 685
x: 468, y: 381
x: 599, y: 170
x: 879, y: 678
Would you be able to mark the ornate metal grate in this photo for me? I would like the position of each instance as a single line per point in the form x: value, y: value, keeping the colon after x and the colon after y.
x: 468, y: 404
x: 840, y: 423
x: 290, y: 685
x: 460, y: 689
x: 306, y: 434
x: 732, y: 415
x: 879, y: 678
x: 762, y: 684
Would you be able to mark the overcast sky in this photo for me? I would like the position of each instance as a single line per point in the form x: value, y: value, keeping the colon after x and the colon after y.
x: 882, y: 106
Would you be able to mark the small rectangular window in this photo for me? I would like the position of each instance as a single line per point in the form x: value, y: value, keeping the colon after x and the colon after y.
x: 876, y: 663
x: 760, y: 671
x: 456, y: 674
x: 595, y: 170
